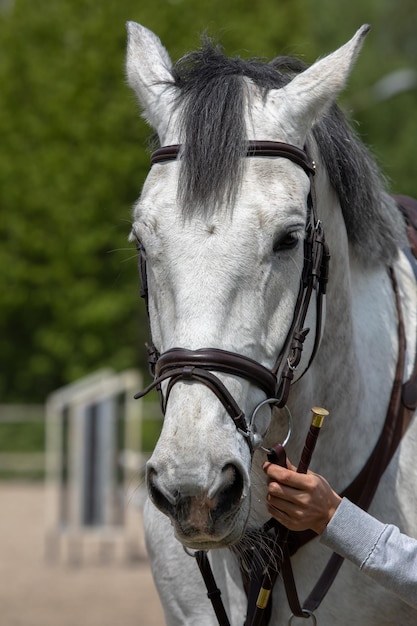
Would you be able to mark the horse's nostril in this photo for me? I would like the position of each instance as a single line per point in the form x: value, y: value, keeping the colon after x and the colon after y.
x: 164, y: 502
x: 228, y: 498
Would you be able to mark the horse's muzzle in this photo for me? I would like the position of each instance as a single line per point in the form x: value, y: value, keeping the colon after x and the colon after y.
x: 199, y: 514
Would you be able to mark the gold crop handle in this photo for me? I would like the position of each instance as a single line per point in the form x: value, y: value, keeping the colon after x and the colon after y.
x: 316, y: 423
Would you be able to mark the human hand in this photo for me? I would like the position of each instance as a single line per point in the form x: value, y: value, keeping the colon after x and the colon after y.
x: 300, y: 501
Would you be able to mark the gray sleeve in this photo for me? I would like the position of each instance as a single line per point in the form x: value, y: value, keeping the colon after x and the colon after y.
x: 378, y: 549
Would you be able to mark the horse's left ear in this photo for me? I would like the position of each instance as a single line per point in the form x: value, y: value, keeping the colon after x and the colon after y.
x: 148, y: 68
x: 308, y: 95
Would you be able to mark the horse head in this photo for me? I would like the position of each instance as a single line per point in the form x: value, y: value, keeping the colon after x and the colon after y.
x: 222, y: 237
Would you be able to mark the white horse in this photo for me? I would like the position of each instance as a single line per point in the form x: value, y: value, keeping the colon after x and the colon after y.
x: 223, y: 238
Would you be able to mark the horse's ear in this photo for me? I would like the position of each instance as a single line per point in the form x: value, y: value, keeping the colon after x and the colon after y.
x: 148, y: 68
x: 309, y: 94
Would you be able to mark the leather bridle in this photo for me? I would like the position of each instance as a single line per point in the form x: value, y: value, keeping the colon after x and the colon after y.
x: 180, y: 364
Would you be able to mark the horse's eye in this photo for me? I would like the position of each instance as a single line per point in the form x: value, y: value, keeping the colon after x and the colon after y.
x: 288, y: 241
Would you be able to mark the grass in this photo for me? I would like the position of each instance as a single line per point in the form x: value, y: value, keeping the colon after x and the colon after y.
x: 22, y: 436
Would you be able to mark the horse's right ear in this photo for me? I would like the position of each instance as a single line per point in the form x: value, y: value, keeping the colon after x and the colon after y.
x: 305, y: 99
x: 148, y: 68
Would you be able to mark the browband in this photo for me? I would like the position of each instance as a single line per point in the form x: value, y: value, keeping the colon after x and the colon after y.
x: 255, y: 148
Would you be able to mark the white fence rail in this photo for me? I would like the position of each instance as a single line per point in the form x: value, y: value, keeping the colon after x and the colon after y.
x: 93, y: 461
x: 17, y: 462
x: 10, y: 413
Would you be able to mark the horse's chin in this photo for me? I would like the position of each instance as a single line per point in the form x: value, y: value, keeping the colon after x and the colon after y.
x: 210, y: 543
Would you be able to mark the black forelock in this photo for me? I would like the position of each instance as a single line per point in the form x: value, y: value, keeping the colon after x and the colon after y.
x: 213, y: 95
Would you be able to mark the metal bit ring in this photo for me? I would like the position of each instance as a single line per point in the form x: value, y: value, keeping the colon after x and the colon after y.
x: 290, y: 421
x: 307, y: 615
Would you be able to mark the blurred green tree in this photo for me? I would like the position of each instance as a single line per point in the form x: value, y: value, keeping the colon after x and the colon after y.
x: 73, y: 156
x: 71, y: 165
x: 382, y: 92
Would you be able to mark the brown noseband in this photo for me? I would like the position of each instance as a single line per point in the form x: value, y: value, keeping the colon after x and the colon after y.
x: 197, y: 365
x: 179, y: 364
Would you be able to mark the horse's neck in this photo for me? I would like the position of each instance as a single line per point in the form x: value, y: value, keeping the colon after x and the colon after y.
x: 354, y: 371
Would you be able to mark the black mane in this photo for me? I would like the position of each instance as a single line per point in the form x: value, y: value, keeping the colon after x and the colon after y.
x: 212, y: 93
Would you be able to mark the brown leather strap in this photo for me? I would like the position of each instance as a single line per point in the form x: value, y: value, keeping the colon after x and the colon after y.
x: 324, y: 583
x: 165, y: 153
x: 220, y: 361
x: 192, y: 373
x: 179, y: 364
x: 362, y: 489
x: 285, y: 150
x: 409, y: 391
x: 213, y: 592
x: 282, y: 563
x: 265, y: 570
x: 408, y: 207
x: 255, y: 148
x: 314, y: 280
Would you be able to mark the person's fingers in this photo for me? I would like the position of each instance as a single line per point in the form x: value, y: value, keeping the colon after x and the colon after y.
x: 290, y: 465
x: 289, y: 514
x: 290, y: 477
x: 287, y: 493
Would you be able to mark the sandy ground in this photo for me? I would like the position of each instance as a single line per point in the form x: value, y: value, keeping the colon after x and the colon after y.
x: 36, y: 593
